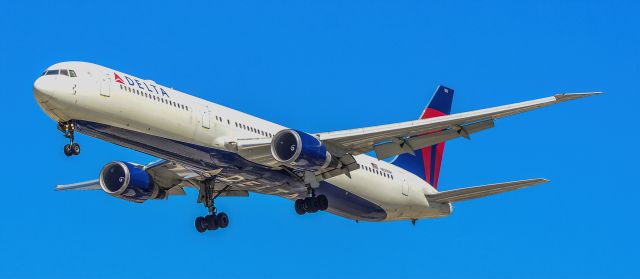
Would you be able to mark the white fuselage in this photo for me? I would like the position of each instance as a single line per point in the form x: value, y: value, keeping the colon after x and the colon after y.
x: 118, y: 100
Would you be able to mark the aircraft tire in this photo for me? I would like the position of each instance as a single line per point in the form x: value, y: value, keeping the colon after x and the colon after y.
x: 322, y: 202
x: 222, y: 219
x: 310, y: 205
x: 299, y: 206
x: 67, y: 150
x: 211, y: 222
x: 200, y: 225
x: 75, y: 149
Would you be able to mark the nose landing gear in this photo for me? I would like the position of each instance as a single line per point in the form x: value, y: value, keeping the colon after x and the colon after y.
x: 67, y: 128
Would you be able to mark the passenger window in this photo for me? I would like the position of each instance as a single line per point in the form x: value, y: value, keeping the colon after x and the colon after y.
x: 72, y: 73
x: 64, y: 72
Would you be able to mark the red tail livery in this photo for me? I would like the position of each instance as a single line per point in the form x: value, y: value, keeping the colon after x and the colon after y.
x: 426, y: 162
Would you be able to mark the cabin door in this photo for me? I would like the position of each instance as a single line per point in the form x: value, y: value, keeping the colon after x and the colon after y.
x: 405, y: 187
x: 206, y: 118
x: 105, y: 84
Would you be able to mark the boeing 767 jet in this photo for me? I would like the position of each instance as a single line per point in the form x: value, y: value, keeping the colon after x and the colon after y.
x: 223, y: 152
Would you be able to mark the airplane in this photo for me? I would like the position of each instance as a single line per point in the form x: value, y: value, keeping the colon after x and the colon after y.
x: 222, y: 152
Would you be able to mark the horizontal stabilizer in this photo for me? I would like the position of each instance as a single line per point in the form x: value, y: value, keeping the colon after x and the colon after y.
x: 481, y: 191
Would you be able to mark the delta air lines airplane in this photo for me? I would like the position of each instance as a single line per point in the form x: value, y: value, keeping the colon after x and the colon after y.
x: 223, y: 152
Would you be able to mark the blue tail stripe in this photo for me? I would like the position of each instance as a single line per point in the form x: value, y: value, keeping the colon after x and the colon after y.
x: 442, y: 100
x: 410, y: 163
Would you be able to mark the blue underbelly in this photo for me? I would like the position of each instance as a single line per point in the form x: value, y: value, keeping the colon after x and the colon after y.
x: 234, y: 168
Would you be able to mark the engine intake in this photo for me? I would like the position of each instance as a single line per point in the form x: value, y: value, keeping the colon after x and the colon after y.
x: 129, y: 182
x: 300, y: 150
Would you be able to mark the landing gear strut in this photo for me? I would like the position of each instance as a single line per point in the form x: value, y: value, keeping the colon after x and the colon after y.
x: 213, y: 220
x: 72, y: 148
x: 311, y: 203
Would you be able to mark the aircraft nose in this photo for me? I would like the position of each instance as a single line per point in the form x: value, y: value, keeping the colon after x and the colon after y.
x: 43, y: 88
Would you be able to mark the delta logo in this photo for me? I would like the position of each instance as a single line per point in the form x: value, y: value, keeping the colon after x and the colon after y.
x: 152, y: 88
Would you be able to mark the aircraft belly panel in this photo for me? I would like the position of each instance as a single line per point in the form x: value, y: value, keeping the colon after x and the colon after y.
x: 236, y: 170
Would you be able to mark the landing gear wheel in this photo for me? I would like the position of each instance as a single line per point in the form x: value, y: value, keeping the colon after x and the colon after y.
x: 75, y: 148
x: 207, y: 196
x: 211, y: 222
x: 68, y: 129
x: 201, y: 225
x: 67, y: 150
x: 322, y: 202
x: 222, y: 219
x: 310, y: 205
x: 299, y: 206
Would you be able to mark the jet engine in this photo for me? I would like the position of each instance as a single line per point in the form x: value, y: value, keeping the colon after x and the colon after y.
x: 128, y: 181
x: 301, y: 151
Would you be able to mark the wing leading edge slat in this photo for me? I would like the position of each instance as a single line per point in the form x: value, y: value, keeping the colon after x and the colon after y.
x: 362, y: 140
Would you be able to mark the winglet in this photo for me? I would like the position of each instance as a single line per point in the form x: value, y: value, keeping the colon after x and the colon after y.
x: 572, y: 96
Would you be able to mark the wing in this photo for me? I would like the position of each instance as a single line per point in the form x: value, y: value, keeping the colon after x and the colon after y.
x: 405, y: 137
x: 482, y: 191
x: 169, y: 176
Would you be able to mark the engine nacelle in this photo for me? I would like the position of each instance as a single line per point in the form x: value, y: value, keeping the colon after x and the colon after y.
x: 128, y: 181
x: 300, y: 150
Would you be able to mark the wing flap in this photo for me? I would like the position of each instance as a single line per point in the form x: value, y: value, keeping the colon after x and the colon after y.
x: 361, y: 140
x: 482, y: 191
x: 388, y: 149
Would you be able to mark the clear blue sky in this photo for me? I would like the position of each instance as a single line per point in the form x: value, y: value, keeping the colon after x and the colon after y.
x: 326, y: 65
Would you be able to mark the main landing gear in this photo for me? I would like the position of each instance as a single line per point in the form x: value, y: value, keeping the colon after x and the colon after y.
x: 68, y: 129
x: 213, y: 220
x: 311, y: 203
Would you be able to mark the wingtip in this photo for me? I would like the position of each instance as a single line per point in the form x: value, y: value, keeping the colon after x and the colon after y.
x: 572, y: 96
x: 541, y: 180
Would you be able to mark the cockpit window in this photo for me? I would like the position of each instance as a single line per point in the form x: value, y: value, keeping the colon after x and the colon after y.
x: 69, y: 73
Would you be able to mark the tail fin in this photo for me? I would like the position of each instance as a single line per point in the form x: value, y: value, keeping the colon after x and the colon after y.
x: 426, y: 162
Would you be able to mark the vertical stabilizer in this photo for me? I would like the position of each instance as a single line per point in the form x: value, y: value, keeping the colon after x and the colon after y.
x: 426, y: 162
